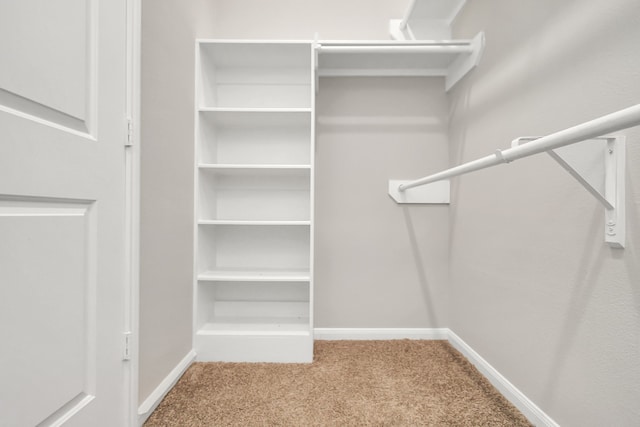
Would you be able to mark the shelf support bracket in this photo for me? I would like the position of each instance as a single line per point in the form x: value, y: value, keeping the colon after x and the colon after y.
x: 465, y: 63
x: 598, y: 164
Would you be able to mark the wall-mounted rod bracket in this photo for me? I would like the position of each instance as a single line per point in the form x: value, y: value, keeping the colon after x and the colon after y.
x: 610, y: 190
x: 434, y: 193
x: 598, y: 164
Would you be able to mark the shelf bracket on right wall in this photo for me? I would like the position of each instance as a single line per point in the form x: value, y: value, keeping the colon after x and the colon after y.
x: 598, y: 164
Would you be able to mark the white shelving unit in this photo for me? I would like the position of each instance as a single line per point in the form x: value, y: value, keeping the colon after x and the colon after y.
x: 254, y: 176
x: 254, y: 201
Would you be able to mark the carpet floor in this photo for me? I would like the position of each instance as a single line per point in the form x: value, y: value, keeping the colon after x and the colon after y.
x: 349, y: 383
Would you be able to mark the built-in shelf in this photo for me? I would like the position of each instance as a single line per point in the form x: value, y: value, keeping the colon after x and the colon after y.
x: 256, y: 326
x: 451, y: 59
x: 249, y: 275
x: 229, y: 308
x: 423, y: 46
x: 247, y: 222
x: 253, y: 167
x: 257, y: 247
x: 255, y: 193
x: 270, y: 137
x: 253, y: 110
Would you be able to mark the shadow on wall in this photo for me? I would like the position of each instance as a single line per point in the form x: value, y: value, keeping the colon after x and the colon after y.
x: 582, y: 288
x: 632, y: 255
x: 418, y: 258
x: 350, y: 105
x: 458, y: 132
x: 378, y: 124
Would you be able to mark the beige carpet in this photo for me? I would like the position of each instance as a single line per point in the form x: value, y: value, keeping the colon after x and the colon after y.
x: 350, y: 383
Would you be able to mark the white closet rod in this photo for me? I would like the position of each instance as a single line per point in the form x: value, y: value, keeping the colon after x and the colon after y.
x: 598, y: 127
x: 431, y: 48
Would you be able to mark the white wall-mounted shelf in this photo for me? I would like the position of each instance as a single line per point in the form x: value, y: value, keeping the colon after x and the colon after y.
x: 265, y: 169
x: 246, y: 222
x: 250, y: 110
x: 254, y: 193
x: 451, y: 59
x: 234, y: 326
x: 253, y: 275
x: 255, y: 136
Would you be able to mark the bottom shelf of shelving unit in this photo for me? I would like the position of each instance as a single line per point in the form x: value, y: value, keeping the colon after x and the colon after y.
x: 255, y: 321
x: 215, y: 342
x: 256, y: 325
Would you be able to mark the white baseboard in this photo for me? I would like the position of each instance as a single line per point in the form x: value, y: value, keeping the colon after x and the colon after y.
x: 529, y: 409
x: 151, y: 403
x: 380, y: 333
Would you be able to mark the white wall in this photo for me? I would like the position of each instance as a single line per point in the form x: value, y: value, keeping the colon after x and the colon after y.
x: 301, y: 19
x: 166, y: 270
x: 379, y: 264
x: 535, y: 290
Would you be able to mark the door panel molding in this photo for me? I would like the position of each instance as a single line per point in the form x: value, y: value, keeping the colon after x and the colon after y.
x: 48, y: 260
x: 47, y: 84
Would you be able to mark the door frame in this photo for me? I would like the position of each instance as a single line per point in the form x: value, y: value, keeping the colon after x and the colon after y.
x: 132, y: 206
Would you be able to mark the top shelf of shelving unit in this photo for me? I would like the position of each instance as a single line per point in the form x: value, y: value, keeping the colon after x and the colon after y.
x: 255, y: 53
x: 236, y: 75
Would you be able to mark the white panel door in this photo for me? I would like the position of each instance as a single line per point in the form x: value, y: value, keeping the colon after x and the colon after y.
x: 62, y: 213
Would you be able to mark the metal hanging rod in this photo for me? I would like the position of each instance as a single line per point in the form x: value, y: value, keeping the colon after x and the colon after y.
x: 613, y: 122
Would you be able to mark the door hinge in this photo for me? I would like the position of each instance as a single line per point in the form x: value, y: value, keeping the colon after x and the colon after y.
x: 129, y: 142
x: 126, y: 352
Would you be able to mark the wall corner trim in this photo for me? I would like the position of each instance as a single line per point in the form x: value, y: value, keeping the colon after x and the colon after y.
x: 151, y: 403
x: 529, y: 409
